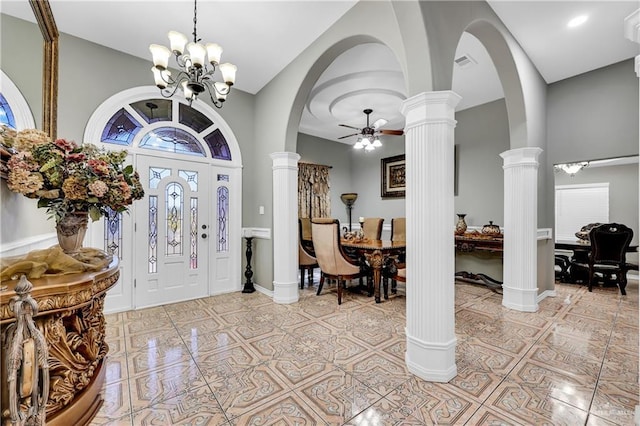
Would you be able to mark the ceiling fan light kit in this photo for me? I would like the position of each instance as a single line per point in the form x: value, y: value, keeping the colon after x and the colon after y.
x: 368, y: 136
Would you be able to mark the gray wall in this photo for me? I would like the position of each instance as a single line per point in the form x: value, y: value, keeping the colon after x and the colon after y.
x: 592, y: 116
x: 482, y: 134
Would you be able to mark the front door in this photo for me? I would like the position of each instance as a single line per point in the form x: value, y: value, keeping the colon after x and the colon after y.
x: 171, y: 231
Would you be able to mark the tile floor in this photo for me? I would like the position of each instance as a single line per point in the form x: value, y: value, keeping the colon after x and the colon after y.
x: 240, y: 359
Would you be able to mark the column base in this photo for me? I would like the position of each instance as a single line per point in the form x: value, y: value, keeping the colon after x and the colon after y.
x: 519, y: 299
x: 285, y: 293
x: 431, y: 361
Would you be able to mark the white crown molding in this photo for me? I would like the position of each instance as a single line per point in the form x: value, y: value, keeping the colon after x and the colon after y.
x: 632, y: 26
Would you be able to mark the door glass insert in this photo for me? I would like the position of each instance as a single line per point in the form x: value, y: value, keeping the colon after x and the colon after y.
x: 152, y: 110
x: 194, y: 234
x: 175, y: 209
x: 193, y: 118
x: 191, y: 178
x: 218, y: 145
x: 153, y: 234
x: 223, y: 208
x: 156, y: 174
x: 120, y: 129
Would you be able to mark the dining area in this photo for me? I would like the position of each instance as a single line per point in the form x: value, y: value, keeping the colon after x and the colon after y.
x: 598, y: 256
x: 361, y: 254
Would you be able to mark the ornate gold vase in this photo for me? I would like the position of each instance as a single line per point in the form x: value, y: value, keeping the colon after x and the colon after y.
x: 71, y: 231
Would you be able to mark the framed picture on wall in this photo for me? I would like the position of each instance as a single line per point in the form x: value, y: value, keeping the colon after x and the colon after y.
x: 393, y: 177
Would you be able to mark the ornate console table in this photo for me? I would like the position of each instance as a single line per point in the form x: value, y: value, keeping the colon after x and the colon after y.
x: 70, y: 315
x: 482, y: 245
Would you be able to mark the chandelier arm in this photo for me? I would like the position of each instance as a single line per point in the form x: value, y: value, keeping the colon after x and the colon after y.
x: 211, y: 89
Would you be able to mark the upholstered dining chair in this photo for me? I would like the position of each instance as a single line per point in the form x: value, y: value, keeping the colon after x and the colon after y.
x: 398, y: 229
x: 333, y: 262
x: 609, y: 244
x: 372, y: 227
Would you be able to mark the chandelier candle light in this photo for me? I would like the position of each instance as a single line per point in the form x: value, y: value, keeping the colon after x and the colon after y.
x: 196, y: 75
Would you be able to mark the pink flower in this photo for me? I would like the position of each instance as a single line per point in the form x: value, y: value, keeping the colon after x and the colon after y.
x: 66, y: 145
x: 77, y: 157
x: 99, y: 167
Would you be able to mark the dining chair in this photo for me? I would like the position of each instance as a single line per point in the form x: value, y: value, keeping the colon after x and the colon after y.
x: 307, y: 261
x: 333, y: 262
x: 372, y: 227
x: 398, y: 229
x: 609, y: 243
x: 304, y: 233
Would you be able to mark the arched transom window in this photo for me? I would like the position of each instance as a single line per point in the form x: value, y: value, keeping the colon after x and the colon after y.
x: 166, y: 125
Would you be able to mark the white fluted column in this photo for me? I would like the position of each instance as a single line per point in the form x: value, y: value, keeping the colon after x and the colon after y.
x: 285, y: 225
x: 520, y: 255
x: 431, y: 339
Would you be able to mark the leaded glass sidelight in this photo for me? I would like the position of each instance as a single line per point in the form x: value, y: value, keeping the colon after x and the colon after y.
x: 193, y: 257
x: 6, y: 113
x: 174, y: 140
x: 223, y: 209
x: 156, y: 174
x: 174, y: 221
x: 113, y: 233
x: 120, y: 129
x: 153, y: 234
x: 223, y: 178
x: 191, y: 178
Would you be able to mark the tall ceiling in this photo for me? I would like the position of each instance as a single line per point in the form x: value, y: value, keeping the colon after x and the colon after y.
x: 262, y: 37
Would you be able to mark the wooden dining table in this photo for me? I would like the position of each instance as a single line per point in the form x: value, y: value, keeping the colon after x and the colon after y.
x: 376, y: 252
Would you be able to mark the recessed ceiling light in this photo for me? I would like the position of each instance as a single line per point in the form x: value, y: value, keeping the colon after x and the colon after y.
x: 578, y: 20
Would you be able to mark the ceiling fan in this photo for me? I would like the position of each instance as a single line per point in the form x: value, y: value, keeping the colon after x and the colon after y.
x: 369, y: 134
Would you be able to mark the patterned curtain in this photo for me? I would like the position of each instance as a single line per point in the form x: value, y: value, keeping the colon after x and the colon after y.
x: 314, y: 198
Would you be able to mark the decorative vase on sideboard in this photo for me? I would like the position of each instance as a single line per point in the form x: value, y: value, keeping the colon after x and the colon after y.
x: 461, y: 225
x: 71, y: 230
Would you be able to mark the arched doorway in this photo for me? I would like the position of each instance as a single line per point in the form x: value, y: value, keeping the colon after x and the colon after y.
x: 182, y: 241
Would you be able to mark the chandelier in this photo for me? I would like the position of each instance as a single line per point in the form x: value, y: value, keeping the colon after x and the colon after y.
x: 196, y: 75
x: 571, y: 168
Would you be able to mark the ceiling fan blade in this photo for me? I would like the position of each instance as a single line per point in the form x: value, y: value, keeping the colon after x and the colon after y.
x: 392, y: 132
x: 351, y: 127
x: 348, y: 136
x: 379, y: 123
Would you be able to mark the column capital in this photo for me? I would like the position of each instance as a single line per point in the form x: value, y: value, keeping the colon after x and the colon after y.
x: 285, y: 159
x: 429, y: 107
x: 521, y: 157
x: 632, y: 26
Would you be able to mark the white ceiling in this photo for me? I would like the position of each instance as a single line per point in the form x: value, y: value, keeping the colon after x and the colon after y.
x: 262, y: 37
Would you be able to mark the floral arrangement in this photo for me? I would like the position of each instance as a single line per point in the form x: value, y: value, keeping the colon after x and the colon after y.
x: 66, y: 177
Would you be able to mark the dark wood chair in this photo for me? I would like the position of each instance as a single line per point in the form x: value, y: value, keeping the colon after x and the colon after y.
x: 333, y: 261
x: 307, y: 261
x: 609, y: 244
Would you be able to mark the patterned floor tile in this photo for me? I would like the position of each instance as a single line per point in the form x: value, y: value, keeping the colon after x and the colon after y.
x: 159, y: 385
x: 492, y: 417
x: 533, y: 405
x: 316, y: 362
x: 245, y: 392
x: 116, y: 405
x: 432, y: 403
x: 337, y: 396
x: 381, y: 373
x: 226, y: 361
x: 157, y: 357
x: 284, y: 410
x: 616, y: 401
x: 195, y: 407
x: 575, y: 389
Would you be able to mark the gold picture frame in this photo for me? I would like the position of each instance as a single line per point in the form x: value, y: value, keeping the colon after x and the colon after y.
x: 393, y: 177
